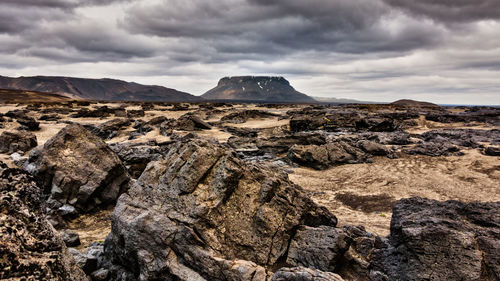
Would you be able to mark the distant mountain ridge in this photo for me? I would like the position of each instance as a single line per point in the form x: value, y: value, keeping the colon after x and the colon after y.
x: 21, y: 96
x: 414, y: 103
x: 96, y: 89
x: 256, y: 88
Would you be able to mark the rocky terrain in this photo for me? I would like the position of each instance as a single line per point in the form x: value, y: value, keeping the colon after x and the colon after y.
x: 256, y: 88
x: 228, y: 191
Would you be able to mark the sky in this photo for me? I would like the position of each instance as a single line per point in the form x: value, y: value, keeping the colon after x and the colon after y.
x: 443, y: 51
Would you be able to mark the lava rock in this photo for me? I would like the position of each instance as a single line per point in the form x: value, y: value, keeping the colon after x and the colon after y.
x: 492, y: 151
x: 136, y: 156
x: 11, y: 142
x: 110, y: 129
x: 451, y: 240
x: 318, y: 247
x: 30, y: 247
x: 77, y: 168
x: 373, y: 148
x: 440, y: 148
x: 199, y: 213
x: 28, y: 123
x: 70, y: 238
x: 321, y: 157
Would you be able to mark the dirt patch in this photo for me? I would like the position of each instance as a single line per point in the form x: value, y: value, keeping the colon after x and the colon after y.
x: 472, y: 177
x: 92, y: 227
x: 367, y: 203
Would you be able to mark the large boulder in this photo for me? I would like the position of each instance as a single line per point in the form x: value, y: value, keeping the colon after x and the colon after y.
x: 451, y: 240
x: 429, y: 240
x: 198, y: 213
x: 318, y: 247
x: 11, y: 142
x: 186, y: 122
x: 78, y: 169
x: 29, y: 246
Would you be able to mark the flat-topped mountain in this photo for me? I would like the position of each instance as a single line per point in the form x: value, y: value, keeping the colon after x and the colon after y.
x: 95, y: 89
x: 256, y: 88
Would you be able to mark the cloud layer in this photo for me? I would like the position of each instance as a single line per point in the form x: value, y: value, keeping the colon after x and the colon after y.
x: 446, y: 51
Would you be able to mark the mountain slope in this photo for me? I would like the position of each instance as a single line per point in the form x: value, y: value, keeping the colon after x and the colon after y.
x: 20, y: 96
x: 95, y: 89
x: 256, y: 88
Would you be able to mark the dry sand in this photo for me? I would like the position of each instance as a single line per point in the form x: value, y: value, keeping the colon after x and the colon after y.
x: 472, y: 177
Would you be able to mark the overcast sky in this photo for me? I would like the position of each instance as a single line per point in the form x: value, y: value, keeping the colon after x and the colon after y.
x: 444, y: 51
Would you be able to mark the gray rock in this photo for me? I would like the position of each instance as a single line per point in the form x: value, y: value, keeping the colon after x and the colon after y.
x: 318, y: 247
x: 373, y: 148
x: 136, y: 156
x: 451, y: 240
x: 429, y: 240
x: 324, y: 156
x: 198, y: 213
x: 70, y: 238
x: 110, y: 129
x: 78, y: 169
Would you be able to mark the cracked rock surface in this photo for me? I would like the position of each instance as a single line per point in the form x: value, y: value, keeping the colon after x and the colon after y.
x: 199, y: 213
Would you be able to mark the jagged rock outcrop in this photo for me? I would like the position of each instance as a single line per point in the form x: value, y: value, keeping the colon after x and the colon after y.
x: 256, y: 88
x: 429, y: 240
x: 136, y: 156
x: 324, y: 156
x: 29, y: 246
x: 451, y: 240
x: 198, y: 213
x: 15, y: 141
x: 78, y: 170
x: 186, y: 122
x: 318, y: 247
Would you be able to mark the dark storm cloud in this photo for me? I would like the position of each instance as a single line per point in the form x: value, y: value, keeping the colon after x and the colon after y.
x: 64, y: 4
x: 365, y: 49
x: 451, y: 11
x: 258, y: 26
x: 15, y: 19
x: 52, y: 29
